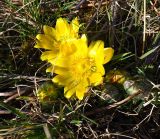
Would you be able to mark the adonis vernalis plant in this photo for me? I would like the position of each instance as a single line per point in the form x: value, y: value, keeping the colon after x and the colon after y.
x: 77, y: 65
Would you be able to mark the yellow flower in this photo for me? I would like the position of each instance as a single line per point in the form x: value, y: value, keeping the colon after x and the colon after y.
x: 82, y: 69
x: 77, y: 66
x: 58, y: 39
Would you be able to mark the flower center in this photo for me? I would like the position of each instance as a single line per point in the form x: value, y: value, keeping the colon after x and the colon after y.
x: 83, y: 68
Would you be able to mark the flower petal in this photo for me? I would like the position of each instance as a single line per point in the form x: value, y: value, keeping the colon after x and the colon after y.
x: 61, y: 80
x: 108, y: 54
x: 62, y: 61
x: 100, y: 69
x: 57, y: 70
x: 68, y: 47
x: 82, y: 88
x: 49, y: 69
x: 60, y: 70
x: 49, y: 31
x: 96, y: 79
x: 62, y: 27
x: 68, y: 92
x: 44, y: 41
x: 75, y: 26
x: 82, y: 47
x: 96, y: 51
x: 80, y: 91
x: 49, y: 55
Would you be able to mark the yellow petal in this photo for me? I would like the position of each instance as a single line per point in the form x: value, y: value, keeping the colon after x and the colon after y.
x: 83, y: 42
x: 82, y: 47
x: 49, y: 69
x: 84, y: 38
x: 80, y: 91
x: 44, y: 41
x: 108, y: 54
x: 61, y: 62
x: 60, y: 70
x: 57, y: 70
x: 68, y: 92
x: 49, y: 31
x: 68, y: 47
x: 57, y: 79
x: 75, y: 26
x: 82, y: 88
x: 96, y: 51
x: 61, y: 80
x: 100, y: 69
x: 48, y: 55
x: 62, y: 27
x: 96, y: 79
x: 65, y: 80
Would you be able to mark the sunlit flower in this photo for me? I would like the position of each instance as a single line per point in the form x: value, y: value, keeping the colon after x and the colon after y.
x: 77, y: 66
x: 82, y: 69
x: 58, y: 39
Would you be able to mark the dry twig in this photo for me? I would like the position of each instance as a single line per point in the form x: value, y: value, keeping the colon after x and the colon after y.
x: 114, y: 105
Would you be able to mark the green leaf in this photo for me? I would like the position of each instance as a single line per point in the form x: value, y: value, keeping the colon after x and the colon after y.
x: 123, y: 56
x: 148, y: 53
x: 13, y: 110
x: 76, y: 122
